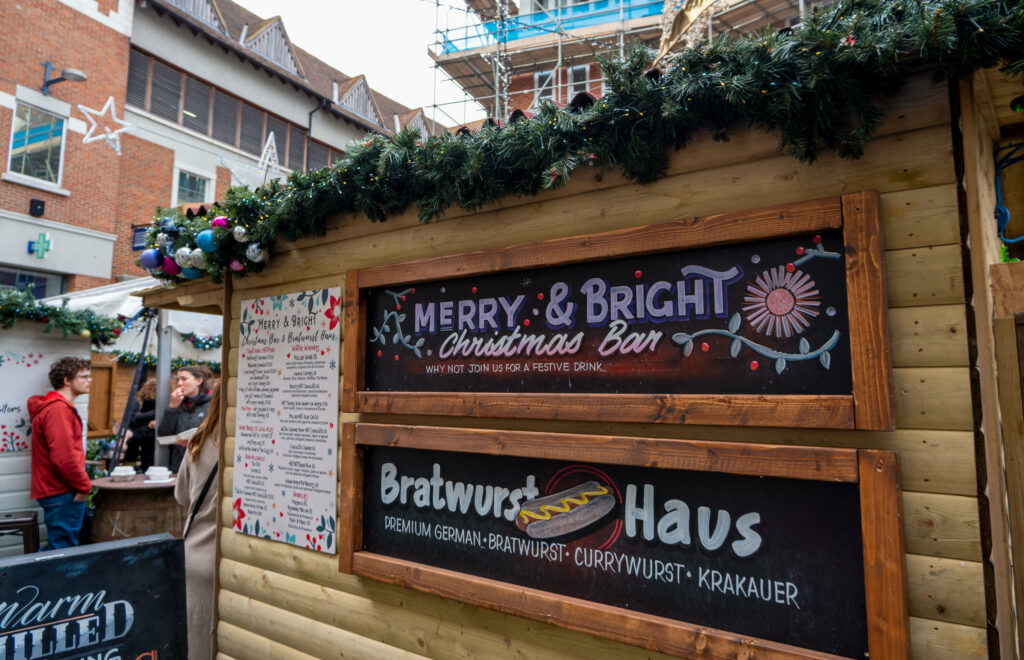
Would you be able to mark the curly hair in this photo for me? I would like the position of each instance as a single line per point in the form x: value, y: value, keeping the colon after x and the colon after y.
x: 147, y: 391
x: 66, y: 368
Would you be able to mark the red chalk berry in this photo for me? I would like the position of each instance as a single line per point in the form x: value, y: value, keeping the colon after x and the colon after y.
x: 790, y: 268
x: 754, y: 365
x: 412, y: 290
x: 526, y: 322
x: 398, y: 307
x: 380, y: 353
x: 704, y: 347
x: 638, y: 274
x: 474, y: 289
x: 540, y: 296
x: 817, y: 238
x: 800, y: 250
x: 396, y: 358
x: 403, y: 298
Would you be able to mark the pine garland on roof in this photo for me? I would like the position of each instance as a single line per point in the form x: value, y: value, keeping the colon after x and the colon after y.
x: 18, y: 306
x: 819, y: 88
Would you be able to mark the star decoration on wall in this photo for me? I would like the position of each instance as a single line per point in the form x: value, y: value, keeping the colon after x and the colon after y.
x: 113, y: 137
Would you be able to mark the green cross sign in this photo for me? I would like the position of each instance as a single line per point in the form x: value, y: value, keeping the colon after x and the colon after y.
x: 40, y: 246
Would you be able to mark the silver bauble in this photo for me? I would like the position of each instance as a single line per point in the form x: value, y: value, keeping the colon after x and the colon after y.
x: 198, y: 259
x: 255, y: 253
x: 161, y: 239
x: 183, y: 257
x: 241, y: 233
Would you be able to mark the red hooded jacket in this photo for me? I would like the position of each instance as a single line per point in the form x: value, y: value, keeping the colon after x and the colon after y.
x: 58, y: 459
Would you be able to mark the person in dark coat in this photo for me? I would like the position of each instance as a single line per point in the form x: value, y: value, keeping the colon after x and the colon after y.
x: 142, y: 425
x: 188, y: 406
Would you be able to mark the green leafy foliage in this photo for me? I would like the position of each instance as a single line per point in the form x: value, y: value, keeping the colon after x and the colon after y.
x: 18, y: 305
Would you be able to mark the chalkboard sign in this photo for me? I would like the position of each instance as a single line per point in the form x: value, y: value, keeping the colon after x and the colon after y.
x: 694, y: 326
x: 121, y: 600
x: 770, y: 547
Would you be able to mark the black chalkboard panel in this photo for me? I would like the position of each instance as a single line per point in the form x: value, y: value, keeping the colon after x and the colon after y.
x: 122, y: 599
x: 773, y: 558
x: 765, y: 317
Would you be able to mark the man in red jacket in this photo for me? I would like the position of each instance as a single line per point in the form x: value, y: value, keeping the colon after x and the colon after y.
x: 59, y: 481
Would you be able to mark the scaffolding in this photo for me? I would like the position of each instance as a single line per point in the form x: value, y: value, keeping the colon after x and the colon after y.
x: 490, y: 55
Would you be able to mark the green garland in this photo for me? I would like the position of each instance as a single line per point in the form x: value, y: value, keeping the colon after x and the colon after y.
x: 201, y: 342
x: 18, y: 305
x: 130, y: 357
x: 820, y: 88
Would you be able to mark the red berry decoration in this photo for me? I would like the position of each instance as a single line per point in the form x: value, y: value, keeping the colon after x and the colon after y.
x: 398, y: 307
x: 790, y: 268
x: 817, y: 238
x: 474, y: 289
x: 412, y: 290
x: 704, y: 347
x: 403, y: 298
x: 526, y: 322
x: 396, y: 358
x: 380, y: 353
x: 540, y: 296
x: 800, y: 250
x: 754, y: 365
x: 638, y: 274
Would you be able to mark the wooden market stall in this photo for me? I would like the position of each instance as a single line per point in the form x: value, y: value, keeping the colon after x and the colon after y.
x: 928, y: 391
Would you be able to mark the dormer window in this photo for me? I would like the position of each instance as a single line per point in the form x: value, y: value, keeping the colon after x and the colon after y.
x: 269, y: 39
x: 202, y: 10
x: 359, y: 100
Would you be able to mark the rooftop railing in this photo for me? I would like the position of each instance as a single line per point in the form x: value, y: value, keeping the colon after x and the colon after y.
x: 550, y: 22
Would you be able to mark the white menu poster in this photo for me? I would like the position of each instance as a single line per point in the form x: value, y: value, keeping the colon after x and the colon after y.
x: 286, y: 436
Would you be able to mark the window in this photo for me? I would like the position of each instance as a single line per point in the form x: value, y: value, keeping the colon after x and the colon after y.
x: 225, y: 118
x: 40, y: 285
x: 165, y: 96
x: 195, y: 113
x: 578, y: 79
x: 37, y: 142
x: 296, y: 148
x: 317, y: 156
x: 543, y: 85
x: 191, y: 188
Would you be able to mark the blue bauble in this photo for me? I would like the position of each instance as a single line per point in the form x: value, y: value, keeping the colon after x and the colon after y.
x: 168, y: 225
x: 204, y: 240
x: 191, y: 273
x: 151, y: 258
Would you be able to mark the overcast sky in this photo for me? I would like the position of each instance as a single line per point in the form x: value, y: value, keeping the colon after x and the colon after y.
x: 386, y: 40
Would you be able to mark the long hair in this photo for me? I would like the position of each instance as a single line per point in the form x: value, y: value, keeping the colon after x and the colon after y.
x: 209, y: 427
x: 147, y: 391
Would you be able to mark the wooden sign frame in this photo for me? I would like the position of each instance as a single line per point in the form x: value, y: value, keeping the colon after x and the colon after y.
x: 875, y: 471
x: 869, y: 407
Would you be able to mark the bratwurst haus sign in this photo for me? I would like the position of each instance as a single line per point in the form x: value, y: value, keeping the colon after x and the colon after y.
x: 769, y: 544
x: 685, y: 322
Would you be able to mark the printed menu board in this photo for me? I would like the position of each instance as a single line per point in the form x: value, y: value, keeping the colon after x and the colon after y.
x: 285, y: 433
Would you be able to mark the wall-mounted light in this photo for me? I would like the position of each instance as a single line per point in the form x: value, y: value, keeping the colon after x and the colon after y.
x: 74, y: 75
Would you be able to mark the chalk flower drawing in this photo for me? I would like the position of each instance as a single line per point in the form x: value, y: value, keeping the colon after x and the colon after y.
x: 334, y: 312
x: 781, y: 303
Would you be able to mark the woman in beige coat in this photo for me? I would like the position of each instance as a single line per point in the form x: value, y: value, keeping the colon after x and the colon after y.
x: 201, y: 534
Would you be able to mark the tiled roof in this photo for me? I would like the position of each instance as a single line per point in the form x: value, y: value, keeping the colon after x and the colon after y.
x: 319, y: 76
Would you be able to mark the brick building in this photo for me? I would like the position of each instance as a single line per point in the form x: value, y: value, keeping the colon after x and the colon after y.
x: 180, y: 100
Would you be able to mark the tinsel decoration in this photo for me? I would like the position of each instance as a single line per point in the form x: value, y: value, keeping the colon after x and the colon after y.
x: 819, y: 88
x: 18, y: 306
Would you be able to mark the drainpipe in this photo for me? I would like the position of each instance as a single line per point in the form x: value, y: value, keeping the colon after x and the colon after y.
x: 309, y: 127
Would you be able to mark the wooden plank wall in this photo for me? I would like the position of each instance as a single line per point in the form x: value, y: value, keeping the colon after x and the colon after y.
x: 281, y: 601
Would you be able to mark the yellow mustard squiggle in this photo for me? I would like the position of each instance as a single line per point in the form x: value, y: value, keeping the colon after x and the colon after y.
x: 547, y: 509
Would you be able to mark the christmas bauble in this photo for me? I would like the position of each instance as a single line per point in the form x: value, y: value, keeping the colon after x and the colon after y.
x: 219, y: 221
x: 204, y: 240
x: 183, y: 256
x: 198, y: 259
x: 151, y: 258
x: 236, y: 265
x: 241, y: 233
x: 85, y: 333
x: 161, y: 239
x: 192, y: 273
x: 255, y: 253
x: 171, y: 267
x: 168, y: 227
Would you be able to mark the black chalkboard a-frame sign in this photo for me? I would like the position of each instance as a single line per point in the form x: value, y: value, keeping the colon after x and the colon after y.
x: 770, y: 317
x: 691, y: 548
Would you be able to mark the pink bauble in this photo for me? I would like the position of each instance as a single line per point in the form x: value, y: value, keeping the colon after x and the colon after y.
x: 236, y: 265
x: 171, y: 267
x: 219, y: 221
